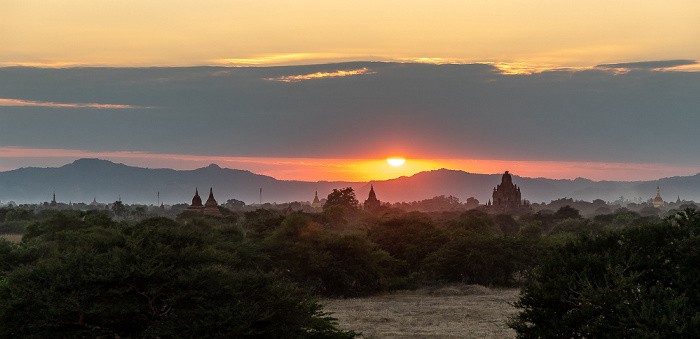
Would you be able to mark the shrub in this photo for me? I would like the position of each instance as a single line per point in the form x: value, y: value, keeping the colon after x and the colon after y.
x: 634, y: 283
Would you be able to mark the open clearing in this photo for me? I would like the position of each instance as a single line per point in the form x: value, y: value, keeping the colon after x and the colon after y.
x: 453, y: 311
x: 11, y: 237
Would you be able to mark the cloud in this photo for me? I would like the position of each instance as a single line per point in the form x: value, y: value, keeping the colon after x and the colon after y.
x: 18, y: 102
x: 285, y: 59
x: 53, y: 64
x: 415, y: 110
x: 319, y: 75
x: 651, y: 65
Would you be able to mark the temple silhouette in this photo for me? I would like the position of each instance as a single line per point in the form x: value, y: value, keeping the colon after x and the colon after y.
x: 372, y: 203
x: 658, y: 201
x: 507, y: 197
x: 211, y: 207
x: 316, y: 203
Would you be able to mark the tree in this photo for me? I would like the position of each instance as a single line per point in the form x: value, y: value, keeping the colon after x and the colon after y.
x: 118, y: 208
x: 92, y: 278
x: 344, y: 197
x: 639, y: 282
x: 567, y: 212
x: 234, y: 204
x: 410, y: 238
x: 330, y: 263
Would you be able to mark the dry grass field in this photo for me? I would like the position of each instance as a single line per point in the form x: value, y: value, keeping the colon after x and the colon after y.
x: 452, y: 311
x: 12, y: 237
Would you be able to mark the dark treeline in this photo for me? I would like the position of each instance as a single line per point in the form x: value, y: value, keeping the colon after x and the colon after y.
x: 255, y: 273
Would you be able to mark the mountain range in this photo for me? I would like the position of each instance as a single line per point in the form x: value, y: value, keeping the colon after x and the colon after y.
x: 106, y: 181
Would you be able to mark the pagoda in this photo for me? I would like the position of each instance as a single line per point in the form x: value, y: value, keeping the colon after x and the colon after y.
x: 211, y: 207
x: 316, y: 203
x: 372, y: 203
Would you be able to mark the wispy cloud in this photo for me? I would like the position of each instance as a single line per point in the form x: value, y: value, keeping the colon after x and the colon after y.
x: 515, y: 68
x: 19, y: 102
x: 286, y: 59
x: 654, y: 65
x: 434, y: 61
x: 510, y: 68
x: 47, y: 64
x: 319, y: 75
x: 264, y: 59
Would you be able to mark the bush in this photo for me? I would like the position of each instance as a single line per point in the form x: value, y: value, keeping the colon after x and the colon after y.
x: 635, y: 283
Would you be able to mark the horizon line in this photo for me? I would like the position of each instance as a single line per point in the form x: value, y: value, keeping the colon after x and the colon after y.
x: 195, y: 162
x: 505, y: 67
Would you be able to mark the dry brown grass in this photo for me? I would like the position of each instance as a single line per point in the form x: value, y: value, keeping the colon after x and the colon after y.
x: 451, y: 311
x: 12, y: 237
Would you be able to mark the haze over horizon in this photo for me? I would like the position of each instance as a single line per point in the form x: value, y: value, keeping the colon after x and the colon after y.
x: 604, y: 91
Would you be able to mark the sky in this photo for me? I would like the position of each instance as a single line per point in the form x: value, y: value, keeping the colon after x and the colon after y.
x: 326, y: 90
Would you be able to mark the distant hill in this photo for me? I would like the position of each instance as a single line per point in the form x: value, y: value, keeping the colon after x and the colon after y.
x: 88, y: 179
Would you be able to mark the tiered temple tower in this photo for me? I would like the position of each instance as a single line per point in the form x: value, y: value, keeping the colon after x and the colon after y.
x: 506, y: 196
x: 196, y: 202
x: 658, y: 201
x: 316, y: 203
x: 372, y: 203
x: 211, y: 207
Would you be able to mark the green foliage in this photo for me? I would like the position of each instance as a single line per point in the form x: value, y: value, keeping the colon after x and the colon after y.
x: 90, y: 277
x: 334, y: 216
x: 506, y: 224
x: 532, y: 230
x: 19, y: 214
x: 639, y: 282
x: 577, y: 226
x: 344, y: 197
x: 474, y: 221
x: 13, y: 227
x: 410, y: 238
x: 260, y: 223
x: 567, y: 212
x: 478, y: 259
x: 330, y: 263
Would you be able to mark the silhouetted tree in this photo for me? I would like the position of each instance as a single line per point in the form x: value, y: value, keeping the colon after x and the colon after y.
x: 344, y: 197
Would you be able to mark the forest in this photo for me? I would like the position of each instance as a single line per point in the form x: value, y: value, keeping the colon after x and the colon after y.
x: 260, y: 272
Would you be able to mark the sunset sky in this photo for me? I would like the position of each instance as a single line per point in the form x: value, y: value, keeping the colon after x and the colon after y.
x: 327, y: 90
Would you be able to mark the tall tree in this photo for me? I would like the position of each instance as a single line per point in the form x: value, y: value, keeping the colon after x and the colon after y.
x: 342, y: 197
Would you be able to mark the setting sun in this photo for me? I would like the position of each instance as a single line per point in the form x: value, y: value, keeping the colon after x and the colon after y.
x: 395, y: 161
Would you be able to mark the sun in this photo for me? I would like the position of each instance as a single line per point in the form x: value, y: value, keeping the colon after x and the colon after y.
x: 395, y: 161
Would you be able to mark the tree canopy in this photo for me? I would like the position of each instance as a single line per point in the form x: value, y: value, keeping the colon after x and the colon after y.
x: 91, y: 277
x: 639, y: 282
x: 344, y: 197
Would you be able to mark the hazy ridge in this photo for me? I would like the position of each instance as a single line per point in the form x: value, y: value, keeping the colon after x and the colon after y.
x: 88, y: 179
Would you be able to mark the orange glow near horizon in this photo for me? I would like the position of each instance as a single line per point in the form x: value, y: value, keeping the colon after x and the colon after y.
x: 352, y: 170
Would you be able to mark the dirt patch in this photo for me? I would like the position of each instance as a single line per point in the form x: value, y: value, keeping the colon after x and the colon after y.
x: 451, y: 311
x: 11, y: 237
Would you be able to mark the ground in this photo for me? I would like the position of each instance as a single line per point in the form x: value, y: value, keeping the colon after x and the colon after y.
x: 11, y: 237
x: 454, y: 311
